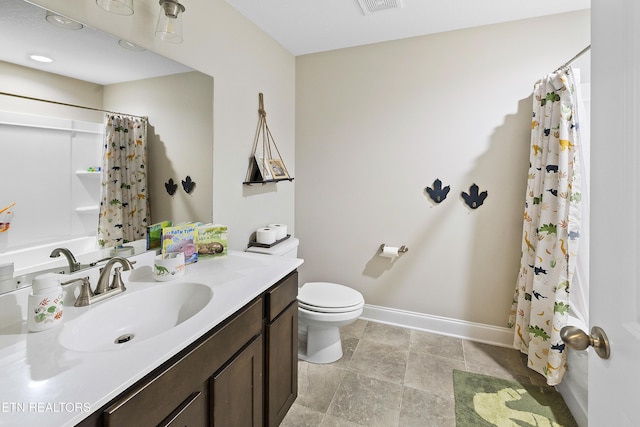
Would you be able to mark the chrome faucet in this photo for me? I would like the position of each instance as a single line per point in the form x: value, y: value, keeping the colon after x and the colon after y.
x: 74, y: 265
x: 103, y: 289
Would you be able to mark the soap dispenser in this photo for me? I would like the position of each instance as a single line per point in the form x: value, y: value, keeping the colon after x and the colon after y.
x: 45, y: 304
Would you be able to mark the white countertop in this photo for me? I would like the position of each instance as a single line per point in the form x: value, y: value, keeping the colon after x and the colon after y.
x: 45, y: 384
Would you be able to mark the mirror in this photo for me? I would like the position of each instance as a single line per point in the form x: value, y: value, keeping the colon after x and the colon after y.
x: 177, y: 100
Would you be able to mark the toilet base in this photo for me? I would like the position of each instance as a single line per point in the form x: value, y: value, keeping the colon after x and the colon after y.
x: 319, y: 344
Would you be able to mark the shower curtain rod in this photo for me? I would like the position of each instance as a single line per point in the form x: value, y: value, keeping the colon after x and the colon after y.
x: 71, y: 105
x: 569, y: 62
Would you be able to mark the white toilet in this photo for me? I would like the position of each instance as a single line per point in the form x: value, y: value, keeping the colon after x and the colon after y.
x: 322, y: 309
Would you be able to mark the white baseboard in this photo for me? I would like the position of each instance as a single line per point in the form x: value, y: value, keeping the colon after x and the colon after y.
x: 487, y: 334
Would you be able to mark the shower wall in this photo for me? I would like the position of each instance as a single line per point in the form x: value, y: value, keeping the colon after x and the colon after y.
x: 43, y: 146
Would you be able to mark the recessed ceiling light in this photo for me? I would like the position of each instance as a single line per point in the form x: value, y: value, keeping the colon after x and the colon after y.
x: 40, y: 58
x: 62, y: 21
x: 130, y: 46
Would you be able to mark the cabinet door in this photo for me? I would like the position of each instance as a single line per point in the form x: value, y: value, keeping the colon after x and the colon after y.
x: 236, y: 390
x: 282, y: 364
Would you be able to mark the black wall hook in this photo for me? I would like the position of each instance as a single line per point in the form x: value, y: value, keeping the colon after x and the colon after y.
x: 437, y: 192
x: 474, y: 199
x: 188, y: 185
x: 171, y: 187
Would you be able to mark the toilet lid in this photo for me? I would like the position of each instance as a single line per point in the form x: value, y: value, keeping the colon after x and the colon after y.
x: 323, y: 295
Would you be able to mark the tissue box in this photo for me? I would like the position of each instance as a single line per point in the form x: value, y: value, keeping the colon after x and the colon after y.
x: 212, y: 240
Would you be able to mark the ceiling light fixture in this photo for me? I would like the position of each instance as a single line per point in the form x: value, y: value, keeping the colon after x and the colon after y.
x: 119, y: 7
x: 130, y: 46
x: 169, y: 27
x: 41, y: 58
x: 62, y: 21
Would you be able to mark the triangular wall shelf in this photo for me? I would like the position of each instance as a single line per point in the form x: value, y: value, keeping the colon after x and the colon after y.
x: 265, y: 163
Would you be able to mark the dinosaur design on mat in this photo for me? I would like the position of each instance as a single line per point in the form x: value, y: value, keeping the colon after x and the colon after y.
x: 493, y: 408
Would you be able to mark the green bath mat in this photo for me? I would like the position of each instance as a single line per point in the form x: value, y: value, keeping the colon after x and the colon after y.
x: 482, y: 400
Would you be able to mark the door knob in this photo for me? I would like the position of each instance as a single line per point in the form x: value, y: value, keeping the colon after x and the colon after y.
x: 578, y: 339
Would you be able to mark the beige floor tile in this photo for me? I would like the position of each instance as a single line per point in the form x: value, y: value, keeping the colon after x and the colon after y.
x: 391, y: 376
x: 367, y: 401
x: 437, y: 345
x: 349, y: 345
x: 432, y: 374
x: 317, y: 384
x: 500, y: 362
x: 331, y: 421
x: 422, y: 409
x: 300, y: 416
x: 382, y: 361
x: 354, y: 330
x: 387, y: 334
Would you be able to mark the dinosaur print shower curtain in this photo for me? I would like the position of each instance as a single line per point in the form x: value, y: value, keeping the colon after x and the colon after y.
x: 551, y: 226
x: 124, y: 206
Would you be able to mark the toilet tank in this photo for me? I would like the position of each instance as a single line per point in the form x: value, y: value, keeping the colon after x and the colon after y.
x: 287, y: 248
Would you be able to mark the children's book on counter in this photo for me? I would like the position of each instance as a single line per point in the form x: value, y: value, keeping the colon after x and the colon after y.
x: 154, y: 234
x: 181, y: 238
x: 212, y: 240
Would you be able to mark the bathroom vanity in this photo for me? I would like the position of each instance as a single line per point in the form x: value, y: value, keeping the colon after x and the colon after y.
x: 233, y: 363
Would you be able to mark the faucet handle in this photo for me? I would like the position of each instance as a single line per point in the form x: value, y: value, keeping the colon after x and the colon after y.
x: 86, y: 293
x: 117, y: 282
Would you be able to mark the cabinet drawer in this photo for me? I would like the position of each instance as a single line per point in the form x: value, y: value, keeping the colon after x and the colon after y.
x: 283, y: 294
x: 191, y: 413
x: 151, y: 402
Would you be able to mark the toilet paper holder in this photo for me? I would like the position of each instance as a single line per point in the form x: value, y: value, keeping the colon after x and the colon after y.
x: 402, y: 249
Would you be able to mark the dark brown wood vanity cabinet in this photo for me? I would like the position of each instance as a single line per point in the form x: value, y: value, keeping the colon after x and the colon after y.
x: 281, y: 359
x: 243, y: 373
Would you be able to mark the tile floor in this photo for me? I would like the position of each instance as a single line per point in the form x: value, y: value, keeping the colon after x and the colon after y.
x: 391, y: 376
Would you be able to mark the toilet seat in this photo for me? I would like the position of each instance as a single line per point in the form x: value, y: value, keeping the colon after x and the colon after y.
x: 317, y: 309
x: 324, y: 297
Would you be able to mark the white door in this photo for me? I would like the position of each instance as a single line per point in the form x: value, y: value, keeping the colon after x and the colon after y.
x: 614, y: 384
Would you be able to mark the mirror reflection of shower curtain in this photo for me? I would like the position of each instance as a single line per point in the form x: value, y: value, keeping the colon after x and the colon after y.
x: 124, y: 205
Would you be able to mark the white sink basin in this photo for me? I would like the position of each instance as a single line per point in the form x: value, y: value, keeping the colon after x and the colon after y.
x: 134, y: 316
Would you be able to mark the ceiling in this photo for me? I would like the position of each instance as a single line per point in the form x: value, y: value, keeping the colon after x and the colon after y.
x: 300, y: 26
x: 79, y: 54
x: 310, y: 26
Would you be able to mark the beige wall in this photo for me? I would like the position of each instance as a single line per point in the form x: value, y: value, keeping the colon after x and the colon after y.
x: 377, y: 124
x: 39, y: 84
x: 219, y: 42
x: 180, y: 135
